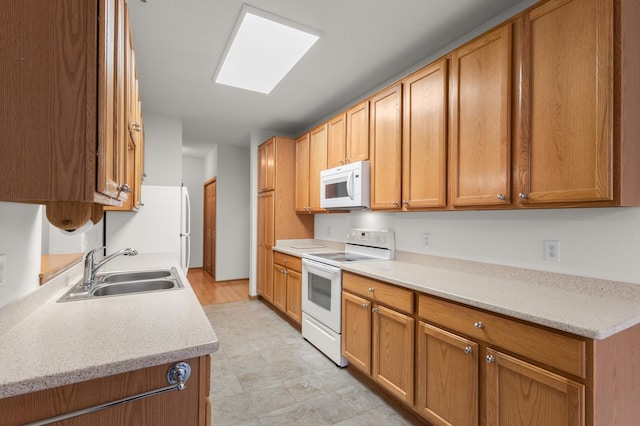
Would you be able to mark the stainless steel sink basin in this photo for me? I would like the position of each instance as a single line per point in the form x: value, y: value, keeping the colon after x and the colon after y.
x: 126, y: 282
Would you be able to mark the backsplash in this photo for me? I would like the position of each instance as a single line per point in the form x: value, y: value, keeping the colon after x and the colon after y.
x: 600, y: 242
x: 20, y: 241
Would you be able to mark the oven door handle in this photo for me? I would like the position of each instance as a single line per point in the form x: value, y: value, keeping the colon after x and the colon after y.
x: 320, y: 266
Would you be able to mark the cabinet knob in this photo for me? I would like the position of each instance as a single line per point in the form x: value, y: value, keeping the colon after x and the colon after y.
x: 365, y: 306
x: 405, y: 202
x: 501, y: 197
x: 370, y: 289
x: 468, y: 350
x: 374, y: 310
x: 523, y: 195
x: 395, y: 203
x: 478, y: 324
x: 124, y: 188
x: 491, y: 358
x: 137, y: 127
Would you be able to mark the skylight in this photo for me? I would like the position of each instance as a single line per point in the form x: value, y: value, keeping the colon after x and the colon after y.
x: 262, y: 49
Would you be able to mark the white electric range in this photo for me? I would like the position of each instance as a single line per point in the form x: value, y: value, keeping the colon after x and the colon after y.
x: 322, y: 287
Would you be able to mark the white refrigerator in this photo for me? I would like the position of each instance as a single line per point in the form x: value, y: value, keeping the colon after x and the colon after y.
x: 161, y: 225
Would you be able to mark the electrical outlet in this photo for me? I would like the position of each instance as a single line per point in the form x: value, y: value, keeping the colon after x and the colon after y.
x: 427, y: 238
x: 552, y: 250
x: 3, y: 268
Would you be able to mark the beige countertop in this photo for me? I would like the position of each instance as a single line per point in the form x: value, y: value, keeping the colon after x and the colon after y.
x: 46, y: 344
x: 300, y: 247
x: 587, y: 307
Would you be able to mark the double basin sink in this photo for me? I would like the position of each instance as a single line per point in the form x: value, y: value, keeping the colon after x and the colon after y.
x: 118, y: 283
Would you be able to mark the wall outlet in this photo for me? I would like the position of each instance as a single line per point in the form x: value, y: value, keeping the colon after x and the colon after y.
x: 426, y: 238
x: 552, y: 250
x: 3, y: 268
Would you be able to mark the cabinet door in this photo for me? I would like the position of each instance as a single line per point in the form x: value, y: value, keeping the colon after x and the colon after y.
x: 337, y: 141
x: 480, y: 116
x: 447, y: 377
x: 280, y: 287
x: 266, y: 156
x: 356, y: 331
x: 317, y: 163
x: 424, y: 139
x: 269, y: 217
x: 386, y: 149
x: 294, y: 295
x: 302, y: 174
x: 357, y: 148
x: 393, y: 352
x: 566, y: 152
x: 518, y: 393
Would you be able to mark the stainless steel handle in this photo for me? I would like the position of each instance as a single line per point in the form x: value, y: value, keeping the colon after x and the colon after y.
x: 374, y: 310
x: 177, y: 376
x: 491, y: 358
x: 395, y: 203
x: 136, y: 127
x: 468, y: 350
x: 405, y: 202
x: 523, y: 196
x: 501, y: 197
x: 365, y: 306
x: 124, y: 188
x: 371, y: 289
x: 478, y: 324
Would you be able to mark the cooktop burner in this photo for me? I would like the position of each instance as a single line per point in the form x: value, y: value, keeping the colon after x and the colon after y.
x: 361, y: 245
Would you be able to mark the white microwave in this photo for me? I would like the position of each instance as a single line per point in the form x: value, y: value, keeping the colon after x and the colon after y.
x: 345, y: 187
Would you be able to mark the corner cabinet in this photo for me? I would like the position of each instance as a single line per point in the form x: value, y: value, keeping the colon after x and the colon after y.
x: 276, y: 170
x: 62, y: 69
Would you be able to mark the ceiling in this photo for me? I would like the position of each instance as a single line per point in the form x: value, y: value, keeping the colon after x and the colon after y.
x: 363, y: 44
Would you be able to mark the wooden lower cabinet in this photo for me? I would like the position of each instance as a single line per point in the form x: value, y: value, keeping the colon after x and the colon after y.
x: 287, y: 285
x: 446, y: 377
x: 191, y: 406
x: 519, y: 393
x: 356, y: 331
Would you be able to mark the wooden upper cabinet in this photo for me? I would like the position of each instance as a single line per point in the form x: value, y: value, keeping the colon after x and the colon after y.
x: 386, y: 148
x: 358, y: 132
x: 566, y: 146
x: 302, y: 174
x: 337, y: 141
x: 266, y: 169
x: 317, y: 163
x: 424, y: 139
x: 63, y: 101
x: 480, y: 121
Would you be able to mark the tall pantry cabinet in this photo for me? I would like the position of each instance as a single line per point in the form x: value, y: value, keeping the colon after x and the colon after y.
x: 277, y: 218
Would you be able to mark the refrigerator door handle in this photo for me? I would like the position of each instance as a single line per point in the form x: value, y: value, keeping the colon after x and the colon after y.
x: 188, y: 250
x: 187, y: 202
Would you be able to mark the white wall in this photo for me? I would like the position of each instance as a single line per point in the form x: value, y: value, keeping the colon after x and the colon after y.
x: 600, y: 243
x: 230, y: 166
x: 193, y: 177
x: 162, y: 150
x: 20, y: 242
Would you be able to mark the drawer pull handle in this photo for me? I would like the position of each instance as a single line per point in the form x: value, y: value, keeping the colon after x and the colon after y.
x: 491, y: 358
x: 468, y: 350
x: 523, y: 195
x: 478, y: 324
x: 371, y: 289
x: 365, y: 306
x: 374, y: 310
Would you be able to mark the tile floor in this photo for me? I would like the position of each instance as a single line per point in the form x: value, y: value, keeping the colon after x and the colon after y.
x: 265, y: 373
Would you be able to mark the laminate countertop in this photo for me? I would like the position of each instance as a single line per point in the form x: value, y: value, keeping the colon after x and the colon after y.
x: 588, y: 307
x: 46, y: 344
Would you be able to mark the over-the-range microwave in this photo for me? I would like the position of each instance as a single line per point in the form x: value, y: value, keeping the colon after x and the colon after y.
x: 345, y: 187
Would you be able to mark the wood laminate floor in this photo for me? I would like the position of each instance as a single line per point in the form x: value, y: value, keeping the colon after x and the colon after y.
x: 210, y: 292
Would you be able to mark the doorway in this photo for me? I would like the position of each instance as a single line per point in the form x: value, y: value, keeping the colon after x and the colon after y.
x: 209, y: 255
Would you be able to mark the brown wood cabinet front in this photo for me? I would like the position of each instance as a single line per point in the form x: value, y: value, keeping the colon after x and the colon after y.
x: 348, y: 139
x: 567, y: 139
x: 62, y: 101
x: 302, y: 182
x: 287, y: 285
x: 424, y: 138
x: 480, y: 121
x: 190, y: 406
x: 266, y: 167
x: 317, y: 163
x: 386, y: 149
x: 337, y: 141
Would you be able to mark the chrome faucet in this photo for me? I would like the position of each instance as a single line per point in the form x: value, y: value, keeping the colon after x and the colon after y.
x: 91, y: 266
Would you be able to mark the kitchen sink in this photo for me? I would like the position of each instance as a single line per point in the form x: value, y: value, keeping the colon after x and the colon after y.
x: 126, y: 282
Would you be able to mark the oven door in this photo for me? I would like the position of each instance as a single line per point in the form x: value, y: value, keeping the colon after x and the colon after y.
x: 322, y: 293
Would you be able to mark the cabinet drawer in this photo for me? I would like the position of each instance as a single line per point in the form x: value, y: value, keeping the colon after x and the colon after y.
x: 288, y: 261
x: 387, y: 294
x: 553, y: 349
